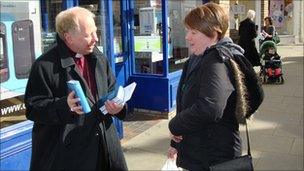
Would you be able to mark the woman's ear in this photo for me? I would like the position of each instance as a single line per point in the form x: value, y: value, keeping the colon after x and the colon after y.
x: 215, y: 36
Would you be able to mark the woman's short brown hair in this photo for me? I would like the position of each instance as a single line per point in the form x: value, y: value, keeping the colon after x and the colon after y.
x: 207, y: 19
x: 269, y: 20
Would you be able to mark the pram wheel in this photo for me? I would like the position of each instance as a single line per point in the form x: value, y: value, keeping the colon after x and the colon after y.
x: 265, y: 79
x: 263, y: 76
x: 280, y: 80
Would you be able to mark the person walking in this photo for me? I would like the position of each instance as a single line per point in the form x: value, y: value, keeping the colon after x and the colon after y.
x: 63, y: 137
x: 247, y: 33
x: 210, y: 96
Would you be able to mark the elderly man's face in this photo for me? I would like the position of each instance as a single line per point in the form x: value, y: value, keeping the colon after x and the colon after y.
x: 84, y: 40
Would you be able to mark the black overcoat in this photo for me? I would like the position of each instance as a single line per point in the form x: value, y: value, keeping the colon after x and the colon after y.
x: 247, y: 33
x: 205, y: 115
x: 62, y: 140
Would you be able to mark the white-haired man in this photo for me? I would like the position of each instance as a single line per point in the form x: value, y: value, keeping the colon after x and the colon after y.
x: 247, y: 33
x: 63, y: 137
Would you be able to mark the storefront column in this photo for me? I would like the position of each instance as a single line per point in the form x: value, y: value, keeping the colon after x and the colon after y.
x: 226, y: 5
x: 264, y: 10
x: 258, y: 19
x: 258, y: 15
x: 298, y: 21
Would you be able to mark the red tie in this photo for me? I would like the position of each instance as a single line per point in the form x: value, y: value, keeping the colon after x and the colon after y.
x: 86, y: 72
x: 79, y: 60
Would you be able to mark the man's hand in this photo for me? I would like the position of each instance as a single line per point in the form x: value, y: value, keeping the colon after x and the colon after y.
x: 73, y: 103
x: 112, y: 107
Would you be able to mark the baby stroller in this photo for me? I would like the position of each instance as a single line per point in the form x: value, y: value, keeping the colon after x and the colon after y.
x: 271, y: 68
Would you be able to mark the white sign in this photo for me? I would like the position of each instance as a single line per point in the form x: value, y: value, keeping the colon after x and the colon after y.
x: 15, y: 10
x: 147, y: 20
x: 238, y: 9
x: 147, y: 43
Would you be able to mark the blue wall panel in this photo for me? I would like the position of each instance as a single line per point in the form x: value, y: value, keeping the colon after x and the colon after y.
x: 151, y: 93
x: 174, y: 80
x: 15, y: 146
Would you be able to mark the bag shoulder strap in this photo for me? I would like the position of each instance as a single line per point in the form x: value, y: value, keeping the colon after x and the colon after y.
x: 248, y: 141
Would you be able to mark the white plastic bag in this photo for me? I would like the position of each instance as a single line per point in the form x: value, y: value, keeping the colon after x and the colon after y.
x: 170, y: 165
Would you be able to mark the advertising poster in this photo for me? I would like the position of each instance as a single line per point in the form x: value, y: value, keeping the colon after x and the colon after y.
x: 20, y: 45
x: 276, y: 12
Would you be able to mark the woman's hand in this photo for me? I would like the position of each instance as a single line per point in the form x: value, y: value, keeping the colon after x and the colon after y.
x: 266, y: 34
x: 176, y: 138
x: 172, y: 153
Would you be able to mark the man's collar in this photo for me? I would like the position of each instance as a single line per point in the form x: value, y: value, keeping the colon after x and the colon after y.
x: 78, y: 55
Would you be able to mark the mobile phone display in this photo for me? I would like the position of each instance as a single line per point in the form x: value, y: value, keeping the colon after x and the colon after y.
x: 23, y: 47
x: 4, y: 74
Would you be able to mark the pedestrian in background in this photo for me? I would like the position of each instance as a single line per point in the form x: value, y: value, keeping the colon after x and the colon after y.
x: 247, y: 33
x: 268, y: 30
x: 205, y: 130
x: 63, y: 137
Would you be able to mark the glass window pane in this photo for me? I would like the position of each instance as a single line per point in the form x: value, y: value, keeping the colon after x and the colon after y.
x: 117, y: 27
x: 98, y: 8
x: 4, y: 74
x: 178, y: 49
x: 52, y: 8
x: 147, y: 37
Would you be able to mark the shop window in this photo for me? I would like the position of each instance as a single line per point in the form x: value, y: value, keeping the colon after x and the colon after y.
x: 4, y: 74
x: 148, y: 37
x: 178, y: 49
x: 117, y: 27
x: 97, y: 7
x: 49, y: 11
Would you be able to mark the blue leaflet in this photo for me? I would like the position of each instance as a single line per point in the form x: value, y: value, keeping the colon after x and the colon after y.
x: 119, y: 96
x: 111, y: 95
x: 75, y: 86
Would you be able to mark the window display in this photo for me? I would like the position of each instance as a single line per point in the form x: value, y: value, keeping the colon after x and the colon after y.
x: 148, y: 37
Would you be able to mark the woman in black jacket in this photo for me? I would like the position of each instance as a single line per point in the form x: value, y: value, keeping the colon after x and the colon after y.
x: 205, y: 130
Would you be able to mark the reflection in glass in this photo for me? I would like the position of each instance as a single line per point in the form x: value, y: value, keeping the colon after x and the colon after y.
x: 98, y: 8
x: 117, y: 27
x: 52, y: 8
x: 4, y: 74
x: 177, y: 43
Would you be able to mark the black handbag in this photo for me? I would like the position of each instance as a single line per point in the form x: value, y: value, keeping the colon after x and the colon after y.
x: 242, y: 163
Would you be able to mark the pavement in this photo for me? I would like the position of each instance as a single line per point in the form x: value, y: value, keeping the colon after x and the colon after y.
x: 276, y: 131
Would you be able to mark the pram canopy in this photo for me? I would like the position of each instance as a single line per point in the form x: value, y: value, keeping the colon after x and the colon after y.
x: 267, y: 44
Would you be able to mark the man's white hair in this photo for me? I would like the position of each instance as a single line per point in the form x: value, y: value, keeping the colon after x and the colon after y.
x: 251, y: 14
x: 68, y: 20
